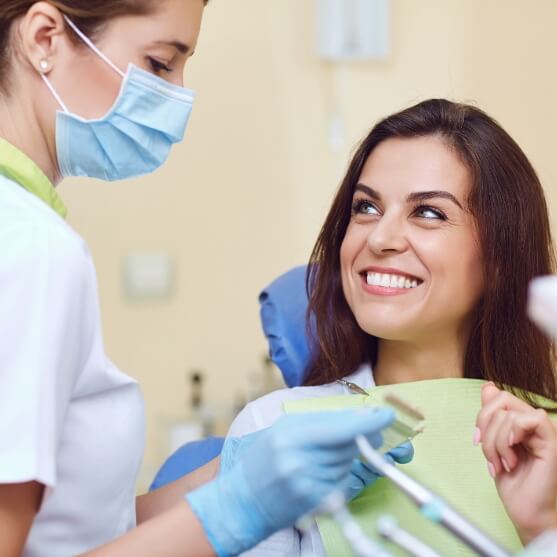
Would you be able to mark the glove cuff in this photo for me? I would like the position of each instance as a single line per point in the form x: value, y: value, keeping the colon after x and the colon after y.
x: 231, y: 521
x: 203, y: 504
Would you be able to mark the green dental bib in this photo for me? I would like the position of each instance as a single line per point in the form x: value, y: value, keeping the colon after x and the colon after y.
x: 445, y: 460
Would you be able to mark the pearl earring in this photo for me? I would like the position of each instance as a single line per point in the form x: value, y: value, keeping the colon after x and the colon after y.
x: 44, y: 65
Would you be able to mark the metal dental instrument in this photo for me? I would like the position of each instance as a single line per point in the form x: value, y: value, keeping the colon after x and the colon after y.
x: 356, y: 389
x: 408, y: 420
x: 335, y: 506
x: 432, y: 506
x: 389, y: 529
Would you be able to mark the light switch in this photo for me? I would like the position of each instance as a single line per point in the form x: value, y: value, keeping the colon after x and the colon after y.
x: 148, y: 276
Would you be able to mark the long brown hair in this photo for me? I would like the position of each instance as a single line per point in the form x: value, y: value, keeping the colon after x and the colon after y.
x: 510, y: 210
x: 89, y: 15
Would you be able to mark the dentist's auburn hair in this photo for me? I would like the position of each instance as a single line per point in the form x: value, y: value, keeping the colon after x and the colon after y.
x: 89, y: 15
x: 509, y: 207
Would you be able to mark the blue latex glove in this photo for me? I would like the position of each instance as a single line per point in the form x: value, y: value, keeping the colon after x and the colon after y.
x: 363, y: 475
x: 284, y: 472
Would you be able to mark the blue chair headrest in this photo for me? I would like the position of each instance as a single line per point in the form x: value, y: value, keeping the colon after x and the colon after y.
x: 186, y: 459
x: 283, y: 317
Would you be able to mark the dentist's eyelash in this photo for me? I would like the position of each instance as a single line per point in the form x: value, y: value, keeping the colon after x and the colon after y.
x: 158, y: 66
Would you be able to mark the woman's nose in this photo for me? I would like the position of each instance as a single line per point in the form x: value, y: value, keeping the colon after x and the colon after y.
x: 388, y: 236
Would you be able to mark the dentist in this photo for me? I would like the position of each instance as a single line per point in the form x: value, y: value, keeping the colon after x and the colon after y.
x: 94, y: 88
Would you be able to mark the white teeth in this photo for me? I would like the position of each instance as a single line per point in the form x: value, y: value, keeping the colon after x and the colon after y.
x: 390, y: 281
x: 373, y: 279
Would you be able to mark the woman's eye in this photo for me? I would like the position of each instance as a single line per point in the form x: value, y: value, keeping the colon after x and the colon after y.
x: 363, y: 207
x: 157, y: 66
x: 430, y: 213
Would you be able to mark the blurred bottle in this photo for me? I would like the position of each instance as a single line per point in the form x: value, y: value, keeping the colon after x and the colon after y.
x: 197, y: 421
x: 199, y: 410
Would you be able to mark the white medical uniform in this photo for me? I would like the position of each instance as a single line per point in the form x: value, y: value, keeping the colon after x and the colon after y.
x: 69, y: 418
x: 263, y: 413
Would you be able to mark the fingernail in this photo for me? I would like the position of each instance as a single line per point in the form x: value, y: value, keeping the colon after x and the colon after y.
x: 477, y: 436
x: 488, y: 384
x: 511, y: 439
x: 491, y: 469
x: 505, y: 465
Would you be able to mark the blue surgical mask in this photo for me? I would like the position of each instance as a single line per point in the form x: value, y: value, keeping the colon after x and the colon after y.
x: 135, y: 136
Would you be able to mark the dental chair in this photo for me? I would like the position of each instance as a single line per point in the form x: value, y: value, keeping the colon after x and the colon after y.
x: 283, y: 306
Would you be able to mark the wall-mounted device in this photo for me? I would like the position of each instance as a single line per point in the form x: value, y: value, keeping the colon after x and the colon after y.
x: 352, y: 30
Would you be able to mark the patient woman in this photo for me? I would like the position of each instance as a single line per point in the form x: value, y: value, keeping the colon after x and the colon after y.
x: 421, y: 272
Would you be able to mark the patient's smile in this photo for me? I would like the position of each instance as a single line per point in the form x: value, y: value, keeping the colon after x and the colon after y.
x: 391, y: 280
x: 390, y: 283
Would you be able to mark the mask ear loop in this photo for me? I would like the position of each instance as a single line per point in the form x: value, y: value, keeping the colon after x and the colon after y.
x: 54, y: 93
x: 94, y: 47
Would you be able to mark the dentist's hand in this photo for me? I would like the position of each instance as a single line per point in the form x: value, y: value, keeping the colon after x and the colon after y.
x: 520, y: 445
x: 363, y: 475
x: 284, y: 472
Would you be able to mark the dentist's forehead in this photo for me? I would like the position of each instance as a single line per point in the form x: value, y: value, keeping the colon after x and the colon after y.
x: 174, y: 22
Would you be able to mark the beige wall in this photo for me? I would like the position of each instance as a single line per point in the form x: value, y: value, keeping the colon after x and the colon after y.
x: 243, y: 198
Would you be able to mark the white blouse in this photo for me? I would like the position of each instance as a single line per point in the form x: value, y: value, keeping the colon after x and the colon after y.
x: 69, y: 418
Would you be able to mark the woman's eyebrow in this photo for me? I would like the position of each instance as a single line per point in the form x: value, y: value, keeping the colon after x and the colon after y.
x: 179, y: 46
x: 425, y: 195
x: 368, y: 191
x: 413, y: 197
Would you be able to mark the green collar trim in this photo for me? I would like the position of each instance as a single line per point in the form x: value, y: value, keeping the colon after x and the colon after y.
x: 19, y: 167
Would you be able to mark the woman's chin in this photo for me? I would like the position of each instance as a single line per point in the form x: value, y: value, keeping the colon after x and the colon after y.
x: 389, y: 327
x: 389, y: 333
x: 393, y: 337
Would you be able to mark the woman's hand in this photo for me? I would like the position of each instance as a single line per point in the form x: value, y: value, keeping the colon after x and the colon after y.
x: 520, y: 445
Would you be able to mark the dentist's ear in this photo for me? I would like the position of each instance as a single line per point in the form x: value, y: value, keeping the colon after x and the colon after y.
x: 41, y: 35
